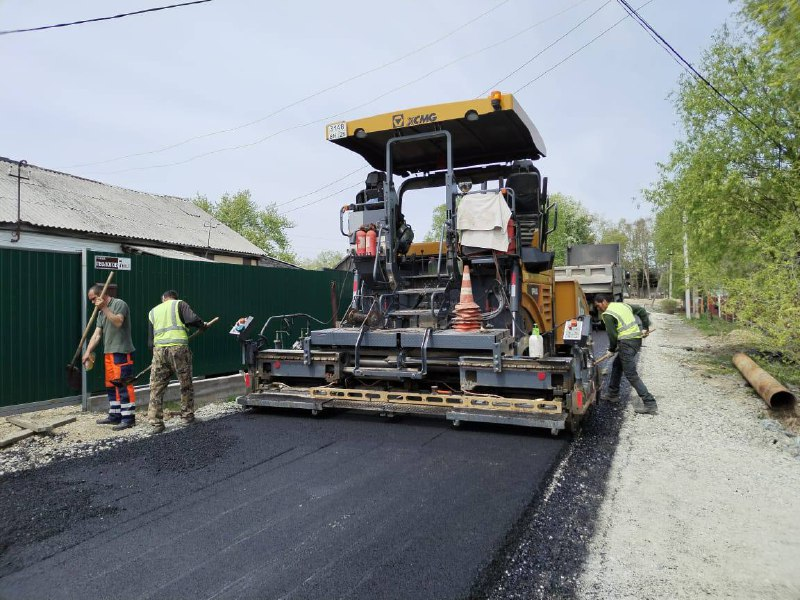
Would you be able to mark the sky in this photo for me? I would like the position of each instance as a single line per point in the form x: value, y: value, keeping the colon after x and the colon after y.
x: 234, y: 94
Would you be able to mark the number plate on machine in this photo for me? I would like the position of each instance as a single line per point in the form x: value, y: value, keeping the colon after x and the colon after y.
x: 336, y: 131
x: 573, y: 330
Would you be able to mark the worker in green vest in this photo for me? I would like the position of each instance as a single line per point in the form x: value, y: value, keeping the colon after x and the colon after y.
x: 168, y: 337
x: 625, y: 337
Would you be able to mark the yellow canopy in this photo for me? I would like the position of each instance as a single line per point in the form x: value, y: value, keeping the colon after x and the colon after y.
x: 481, y: 133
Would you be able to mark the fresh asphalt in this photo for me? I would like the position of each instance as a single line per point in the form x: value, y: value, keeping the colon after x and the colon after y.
x: 278, y: 504
x: 274, y: 505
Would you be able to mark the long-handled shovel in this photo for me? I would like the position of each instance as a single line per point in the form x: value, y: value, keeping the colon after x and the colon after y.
x: 604, y: 358
x: 73, y: 372
x: 608, y: 355
x: 126, y: 381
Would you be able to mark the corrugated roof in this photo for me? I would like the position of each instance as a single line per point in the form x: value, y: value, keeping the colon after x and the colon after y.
x: 268, y: 261
x: 166, y: 253
x: 61, y: 201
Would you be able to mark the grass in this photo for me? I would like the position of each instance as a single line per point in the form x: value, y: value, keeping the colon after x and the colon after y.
x: 719, y: 360
x: 786, y: 373
x: 713, y: 327
x: 751, y: 343
x: 172, y: 405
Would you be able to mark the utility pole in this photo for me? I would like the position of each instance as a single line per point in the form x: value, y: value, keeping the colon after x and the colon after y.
x: 17, y: 233
x: 687, y: 295
x: 211, y: 225
x: 670, y: 274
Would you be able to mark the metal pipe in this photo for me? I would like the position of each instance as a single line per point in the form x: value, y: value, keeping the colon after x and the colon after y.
x: 17, y: 233
x: 378, y: 241
x: 769, y: 388
x: 334, y: 304
x: 441, y: 243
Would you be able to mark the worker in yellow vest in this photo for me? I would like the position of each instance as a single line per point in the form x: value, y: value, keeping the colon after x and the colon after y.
x: 625, y: 337
x: 168, y: 337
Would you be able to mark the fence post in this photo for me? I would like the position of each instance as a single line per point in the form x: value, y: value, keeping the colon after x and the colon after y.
x: 84, y: 308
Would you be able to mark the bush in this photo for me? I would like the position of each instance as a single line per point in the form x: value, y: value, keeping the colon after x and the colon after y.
x: 668, y: 305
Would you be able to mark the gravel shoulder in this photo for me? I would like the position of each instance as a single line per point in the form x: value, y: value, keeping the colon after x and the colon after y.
x: 83, y: 437
x: 701, y: 500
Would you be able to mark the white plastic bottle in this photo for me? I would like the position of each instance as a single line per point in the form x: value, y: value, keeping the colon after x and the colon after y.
x: 536, y: 345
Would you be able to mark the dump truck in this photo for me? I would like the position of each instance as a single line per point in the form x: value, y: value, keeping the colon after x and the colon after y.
x: 598, y: 270
x: 444, y: 327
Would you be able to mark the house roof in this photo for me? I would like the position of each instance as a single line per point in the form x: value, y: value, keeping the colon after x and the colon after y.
x: 269, y: 261
x: 56, y: 200
x: 164, y: 252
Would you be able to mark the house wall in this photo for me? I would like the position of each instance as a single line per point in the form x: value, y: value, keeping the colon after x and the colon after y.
x: 229, y: 260
x: 56, y: 243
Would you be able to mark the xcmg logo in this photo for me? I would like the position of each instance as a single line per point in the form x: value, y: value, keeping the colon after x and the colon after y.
x: 401, y: 121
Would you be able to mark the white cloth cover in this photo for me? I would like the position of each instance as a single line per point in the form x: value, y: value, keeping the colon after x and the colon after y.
x: 482, y: 221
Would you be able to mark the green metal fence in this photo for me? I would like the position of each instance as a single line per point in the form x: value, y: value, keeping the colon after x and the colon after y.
x: 40, y: 303
x: 40, y: 308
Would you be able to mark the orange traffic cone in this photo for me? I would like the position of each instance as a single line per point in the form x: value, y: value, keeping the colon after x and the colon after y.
x: 468, y: 314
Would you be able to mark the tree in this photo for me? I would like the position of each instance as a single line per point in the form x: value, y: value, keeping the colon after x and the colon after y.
x: 618, y: 233
x: 326, y: 259
x: 439, y: 217
x: 641, y: 248
x: 576, y: 225
x: 637, y: 249
x: 264, y: 227
x: 735, y: 175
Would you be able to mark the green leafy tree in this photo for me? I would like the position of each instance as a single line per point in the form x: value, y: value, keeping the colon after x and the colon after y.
x: 668, y: 246
x: 733, y: 181
x: 642, y: 254
x: 439, y: 217
x: 264, y: 227
x: 617, y: 233
x: 637, y: 250
x: 576, y: 225
x: 326, y: 259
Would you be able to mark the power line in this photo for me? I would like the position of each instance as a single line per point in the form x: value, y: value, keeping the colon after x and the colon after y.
x: 98, y: 19
x: 482, y: 50
x: 565, y: 59
x: 327, y: 185
x: 545, y: 49
x: 301, y: 100
x: 352, y: 108
x: 349, y: 187
x: 688, y: 66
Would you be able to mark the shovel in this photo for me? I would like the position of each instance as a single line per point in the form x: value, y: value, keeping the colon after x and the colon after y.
x: 126, y: 381
x: 73, y: 372
x: 608, y: 355
x: 604, y: 358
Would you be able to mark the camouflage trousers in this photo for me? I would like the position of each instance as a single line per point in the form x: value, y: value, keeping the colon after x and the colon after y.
x: 169, y: 361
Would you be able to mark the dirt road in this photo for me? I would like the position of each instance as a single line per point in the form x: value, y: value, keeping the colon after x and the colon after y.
x: 703, y: 500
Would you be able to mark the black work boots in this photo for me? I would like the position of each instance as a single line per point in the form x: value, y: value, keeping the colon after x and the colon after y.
x: 647, y: 408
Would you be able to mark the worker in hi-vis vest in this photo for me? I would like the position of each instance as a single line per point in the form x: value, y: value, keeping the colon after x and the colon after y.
x: 168, y: 337
x: 625, y: 338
